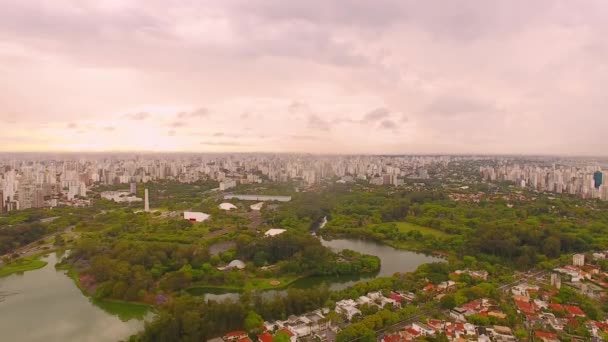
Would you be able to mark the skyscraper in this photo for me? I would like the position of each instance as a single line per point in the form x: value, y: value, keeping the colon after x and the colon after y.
x: 146, y: 201
x: 597, y: 179
x: 1, y: 201
x: 133, y: 188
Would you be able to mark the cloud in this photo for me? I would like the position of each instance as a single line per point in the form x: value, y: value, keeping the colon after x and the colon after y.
x: 72, y: 125
x: 376, y: 115
x: 171, y: 133
x: 109, y: 128
x: 138, y: 116
x: 389, y: 125
x: 316, y: 123
x: 177, y: 124
x: 218, y: 134
x: 471, y: 70
x: 296, y: 107
x: 454, y: 105
x: 197, y: 113
x: 222, y: 143
x: 303, y: 137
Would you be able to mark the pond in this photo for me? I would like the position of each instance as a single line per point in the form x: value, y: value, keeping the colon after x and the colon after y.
x: 46, y: 305
x: 392, y: 261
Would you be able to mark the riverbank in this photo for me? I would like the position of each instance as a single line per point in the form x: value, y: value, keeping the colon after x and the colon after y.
x: 125, y: 310
x: 22, y: 265
x: 44, y: 305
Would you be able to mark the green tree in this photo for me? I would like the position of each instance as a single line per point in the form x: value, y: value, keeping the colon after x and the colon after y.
x: 253, y: 322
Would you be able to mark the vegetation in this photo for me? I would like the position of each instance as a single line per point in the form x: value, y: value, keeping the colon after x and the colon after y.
x: 155, y: 257
x: 22, y: 265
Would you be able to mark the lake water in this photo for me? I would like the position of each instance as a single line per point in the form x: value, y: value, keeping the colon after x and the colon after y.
x: 391, y: 261
x: 45, y: 305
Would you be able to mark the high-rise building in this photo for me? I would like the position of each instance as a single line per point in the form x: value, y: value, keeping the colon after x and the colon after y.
x: 597, y: 179
x: 133, y: 188
x: 578, y: 260
x: 1, y: 201
x: 146, y: 201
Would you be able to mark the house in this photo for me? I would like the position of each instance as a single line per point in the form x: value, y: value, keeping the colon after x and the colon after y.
x: 541, y: 304
x: 556, y: 307
x: 500, y: 333
x: 524, y: 290
x: 424, y: 329
x: 363, y: 300
x: 429, y: 288
x: 474, y: 274
x: 348, y: 308
x: 446, y: 286
x: 196, y: 216
x: 265, y: 337
x: 525, y: 307
x: 235, y: 336
x: 402, y: 296
x: 574, y: 310
x: 546, y: 336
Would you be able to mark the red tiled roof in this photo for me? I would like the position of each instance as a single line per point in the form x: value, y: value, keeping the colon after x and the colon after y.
x: 543, y: 334
x: 396, y: 297
x: 575, y: 310
x: 525, y: 307
x: 435, y: 323
x: 474, y: 305
x: 392, y: 338
x: 245, y: 339
x: 265, y: 337
x: 236, y: 333
x: 429, y: 287
x: 556, y: 307
x: 412, y: 332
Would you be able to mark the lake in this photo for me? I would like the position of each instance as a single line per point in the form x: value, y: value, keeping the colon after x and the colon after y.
x: 392, y: 260
x: 45, y: 305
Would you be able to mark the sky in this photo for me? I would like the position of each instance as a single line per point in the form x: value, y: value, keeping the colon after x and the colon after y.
x: 317, y: 76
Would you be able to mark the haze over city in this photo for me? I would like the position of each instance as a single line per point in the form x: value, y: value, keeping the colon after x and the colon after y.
x: 309, y: 76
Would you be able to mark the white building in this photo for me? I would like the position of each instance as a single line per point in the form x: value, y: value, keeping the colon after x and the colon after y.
x: 227, y: 206
x: 578, y: 260
x: 196, y: 216
x: 274, y: 232
x: 227, y: 184
x: 120, y: 196
x: 257, y: 206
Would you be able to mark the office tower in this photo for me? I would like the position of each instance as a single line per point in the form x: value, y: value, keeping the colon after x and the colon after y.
x: 597, y: 179
x: 133, y: 188
x: 146, y: 201
x: 578, y: 260
x: 1, y: 201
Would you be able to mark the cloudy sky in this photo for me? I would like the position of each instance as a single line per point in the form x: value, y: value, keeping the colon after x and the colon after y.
x: 352, y: 76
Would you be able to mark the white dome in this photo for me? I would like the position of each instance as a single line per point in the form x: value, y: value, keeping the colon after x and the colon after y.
x: 236, y: 264
x: 227, y: 206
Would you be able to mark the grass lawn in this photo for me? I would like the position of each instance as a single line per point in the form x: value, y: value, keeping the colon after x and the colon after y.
x: 124, y: 310
x: 22, y: 265
x: 253, y: 284
x: 405, y: 227
x: 266, y: 284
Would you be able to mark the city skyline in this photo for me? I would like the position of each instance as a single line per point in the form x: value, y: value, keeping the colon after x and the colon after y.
x: 383, y: 77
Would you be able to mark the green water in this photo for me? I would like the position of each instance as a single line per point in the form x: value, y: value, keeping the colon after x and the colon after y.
x: 392, y: 261
x: 45, y: 305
